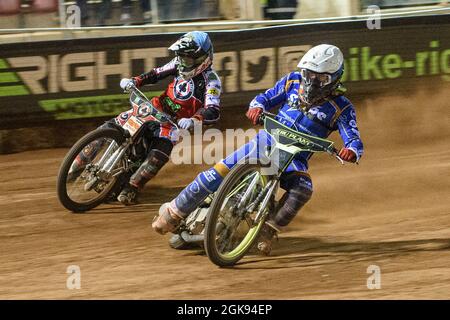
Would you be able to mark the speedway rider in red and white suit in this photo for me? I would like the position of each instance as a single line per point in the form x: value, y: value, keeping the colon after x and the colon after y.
x: 192, y: 98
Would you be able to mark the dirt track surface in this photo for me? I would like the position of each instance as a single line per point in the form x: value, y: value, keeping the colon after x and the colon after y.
x: 391, y: 211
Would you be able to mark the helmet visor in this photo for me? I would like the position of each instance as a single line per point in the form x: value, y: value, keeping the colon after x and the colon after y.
x: 322, y: 79
x: 190, y: 62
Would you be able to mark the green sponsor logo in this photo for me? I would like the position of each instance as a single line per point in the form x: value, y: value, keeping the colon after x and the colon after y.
x: 293, y: 136
x: 10, y: 83
x: 89, y: 107
x: 172, y: 105
x: 362, y: 64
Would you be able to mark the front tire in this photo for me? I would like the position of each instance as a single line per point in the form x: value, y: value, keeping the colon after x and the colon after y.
x: 215, y: 224
x: 75, y: 205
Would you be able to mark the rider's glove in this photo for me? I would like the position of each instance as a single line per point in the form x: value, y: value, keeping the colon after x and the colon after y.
x: 347, y: 155
x: 126, y: 84
x: 186, y: 123
x: 253, y: 114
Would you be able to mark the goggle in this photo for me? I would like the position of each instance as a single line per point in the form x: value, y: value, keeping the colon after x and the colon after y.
x: 190, y: 62
x: 310, y: 76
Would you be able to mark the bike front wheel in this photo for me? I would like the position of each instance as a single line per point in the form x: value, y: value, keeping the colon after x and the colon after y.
x: 80, y: 185
x: 230, y: 229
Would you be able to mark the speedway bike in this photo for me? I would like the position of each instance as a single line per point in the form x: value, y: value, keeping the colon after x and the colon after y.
x: 100, y: 163
x: 246, y: 197
x: 111, y: 155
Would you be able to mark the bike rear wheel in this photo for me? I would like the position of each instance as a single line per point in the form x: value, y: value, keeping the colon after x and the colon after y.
x: 230, y: 232
x: 80, y: 187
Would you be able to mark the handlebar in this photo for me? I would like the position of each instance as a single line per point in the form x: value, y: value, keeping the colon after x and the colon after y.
x: 332, y: 151
x: 335, y: 153
x: 132, y: 87
x: 265, y: 114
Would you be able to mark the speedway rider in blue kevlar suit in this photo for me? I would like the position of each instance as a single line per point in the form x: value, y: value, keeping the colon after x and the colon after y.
x: 312, y: 102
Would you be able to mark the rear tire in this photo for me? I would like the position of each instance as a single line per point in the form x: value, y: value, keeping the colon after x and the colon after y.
x: 61, y: 187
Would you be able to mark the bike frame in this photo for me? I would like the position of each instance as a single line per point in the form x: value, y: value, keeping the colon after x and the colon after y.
x: 287, y: 143
x: 107, y: 163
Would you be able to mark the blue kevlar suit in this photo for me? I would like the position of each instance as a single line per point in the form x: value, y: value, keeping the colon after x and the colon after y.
x: 337, y: 113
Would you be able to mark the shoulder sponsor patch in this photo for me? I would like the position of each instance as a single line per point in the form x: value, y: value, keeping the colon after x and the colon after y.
x: 213, y: 91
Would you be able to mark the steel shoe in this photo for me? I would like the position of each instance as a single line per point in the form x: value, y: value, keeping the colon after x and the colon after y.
x: 128, y: 195
x: 268, y: 232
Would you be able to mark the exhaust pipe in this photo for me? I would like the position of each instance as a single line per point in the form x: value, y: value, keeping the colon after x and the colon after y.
x: 190, y: 238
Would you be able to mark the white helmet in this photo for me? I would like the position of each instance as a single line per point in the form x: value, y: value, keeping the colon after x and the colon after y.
x: 321, y: 69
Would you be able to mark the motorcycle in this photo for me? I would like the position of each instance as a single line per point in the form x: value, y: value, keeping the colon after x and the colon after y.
x: 109, y: 156
x: 246, y: 197
x: 100, y: 164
